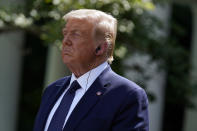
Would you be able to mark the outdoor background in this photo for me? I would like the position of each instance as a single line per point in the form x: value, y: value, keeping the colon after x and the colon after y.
x: 156, y: 47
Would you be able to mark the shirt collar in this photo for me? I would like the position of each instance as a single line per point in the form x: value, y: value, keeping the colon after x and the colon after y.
x: 89, y: 77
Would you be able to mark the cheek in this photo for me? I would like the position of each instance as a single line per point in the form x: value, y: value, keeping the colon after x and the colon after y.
x: 87, y: 53
x: 84, y: 49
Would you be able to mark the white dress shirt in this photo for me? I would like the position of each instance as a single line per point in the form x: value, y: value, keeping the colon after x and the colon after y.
x: 85, y: 81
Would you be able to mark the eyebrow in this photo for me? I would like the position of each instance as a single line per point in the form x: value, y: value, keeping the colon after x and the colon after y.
x: 74, y: 30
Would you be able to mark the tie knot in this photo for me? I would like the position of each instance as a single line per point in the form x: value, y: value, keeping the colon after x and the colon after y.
x: 74, y: 86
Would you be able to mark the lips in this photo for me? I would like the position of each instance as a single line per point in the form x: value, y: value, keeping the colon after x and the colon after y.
x: 66, y: 52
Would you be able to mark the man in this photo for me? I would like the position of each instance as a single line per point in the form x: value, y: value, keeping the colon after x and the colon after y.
x: 93, y: 98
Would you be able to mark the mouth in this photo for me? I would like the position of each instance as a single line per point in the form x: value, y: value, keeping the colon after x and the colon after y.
x: 66, y: 52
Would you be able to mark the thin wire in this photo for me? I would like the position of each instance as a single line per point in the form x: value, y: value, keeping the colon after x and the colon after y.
x: 87, y: 80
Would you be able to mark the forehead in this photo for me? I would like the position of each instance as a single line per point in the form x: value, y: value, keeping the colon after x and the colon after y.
x: 79, y: 24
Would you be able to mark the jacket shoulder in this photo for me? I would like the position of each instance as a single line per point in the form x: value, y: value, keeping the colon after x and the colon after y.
x: 59, y: 82
x: 124, y: 83
x: 54, y: 85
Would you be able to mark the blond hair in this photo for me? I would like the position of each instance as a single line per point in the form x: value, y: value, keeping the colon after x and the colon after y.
x: 105, y: 26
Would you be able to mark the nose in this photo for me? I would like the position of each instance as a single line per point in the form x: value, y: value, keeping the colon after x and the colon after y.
x: 66, y: 40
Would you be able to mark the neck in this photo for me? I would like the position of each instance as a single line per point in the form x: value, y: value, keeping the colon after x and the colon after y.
x: 80, y: 69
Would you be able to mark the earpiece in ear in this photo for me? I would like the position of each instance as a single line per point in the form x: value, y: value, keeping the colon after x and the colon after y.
x: 97, y: 49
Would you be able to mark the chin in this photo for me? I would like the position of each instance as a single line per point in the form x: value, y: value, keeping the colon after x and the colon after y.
x: 69, y: 60
x: 66, y: 59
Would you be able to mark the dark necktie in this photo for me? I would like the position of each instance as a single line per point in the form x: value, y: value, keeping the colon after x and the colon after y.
x: 60, y: 114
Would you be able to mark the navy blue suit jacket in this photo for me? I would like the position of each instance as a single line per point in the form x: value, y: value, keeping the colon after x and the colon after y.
x: 122, y: 106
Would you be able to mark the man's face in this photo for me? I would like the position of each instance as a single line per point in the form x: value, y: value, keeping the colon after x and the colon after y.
x: 78, y: 44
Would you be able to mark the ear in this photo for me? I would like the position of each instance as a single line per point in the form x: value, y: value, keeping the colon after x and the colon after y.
x: 101, y: 49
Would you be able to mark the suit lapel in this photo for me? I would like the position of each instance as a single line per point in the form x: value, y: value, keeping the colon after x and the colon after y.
x: 55, y: 94
x: 87, y: 102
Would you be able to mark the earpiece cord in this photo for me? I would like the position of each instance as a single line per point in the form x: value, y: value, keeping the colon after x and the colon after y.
x: 87, y: 80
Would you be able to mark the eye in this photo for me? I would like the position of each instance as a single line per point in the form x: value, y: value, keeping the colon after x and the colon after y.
x: 64, y: 32
x: 76, y: 33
